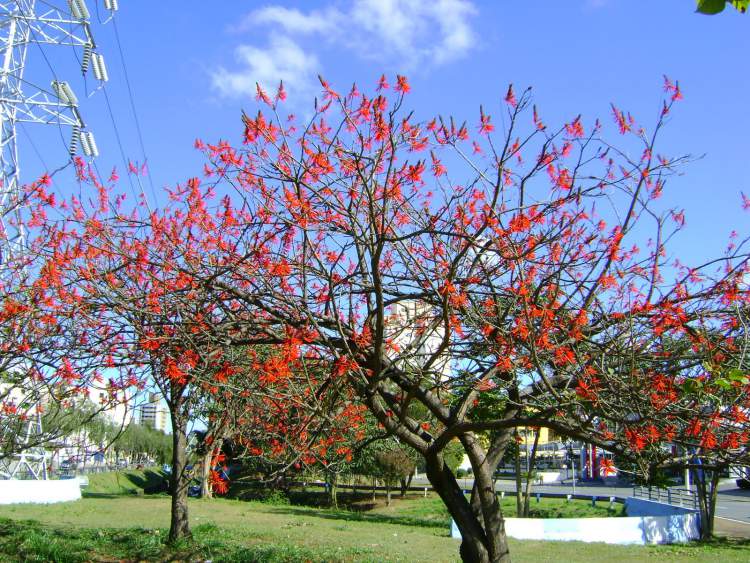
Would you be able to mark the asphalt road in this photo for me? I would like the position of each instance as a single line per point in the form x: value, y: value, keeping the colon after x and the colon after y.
x: 733, y: 503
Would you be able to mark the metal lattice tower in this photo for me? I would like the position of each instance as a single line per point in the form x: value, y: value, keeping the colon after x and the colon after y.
x: 22, y: 24
x: 31, y: 461
x: 26, y: 28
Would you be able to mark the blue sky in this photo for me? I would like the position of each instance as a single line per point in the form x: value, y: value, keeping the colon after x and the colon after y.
x: 193, y: 65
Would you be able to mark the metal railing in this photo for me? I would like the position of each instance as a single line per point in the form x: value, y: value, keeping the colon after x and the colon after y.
x: 674, y: 496
x: 424, y: 489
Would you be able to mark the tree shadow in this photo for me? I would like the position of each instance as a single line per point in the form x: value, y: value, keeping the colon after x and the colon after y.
x: 716, y: 543
x: 150, y: 480
x: 86, y: 494
x: 360, y: 516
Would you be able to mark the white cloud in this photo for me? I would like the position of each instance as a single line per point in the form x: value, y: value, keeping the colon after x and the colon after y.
x: 291, y: 20
x: 283, y: 59
x: 402, y: 35
x: 414, y: 32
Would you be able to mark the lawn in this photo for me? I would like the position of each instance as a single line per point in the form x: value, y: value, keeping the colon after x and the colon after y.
x: 133, y: 527
x: 133, y: 481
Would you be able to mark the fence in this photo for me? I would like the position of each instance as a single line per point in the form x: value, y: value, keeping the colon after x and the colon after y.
x: 676, y: 497
x: 424, y: 489
x: 71, y: 472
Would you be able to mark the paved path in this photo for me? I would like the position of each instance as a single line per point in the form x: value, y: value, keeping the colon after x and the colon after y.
x: 731, y: 528
x: 734, y: 503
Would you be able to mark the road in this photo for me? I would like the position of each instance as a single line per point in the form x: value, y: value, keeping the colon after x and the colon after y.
x: 733, y: 503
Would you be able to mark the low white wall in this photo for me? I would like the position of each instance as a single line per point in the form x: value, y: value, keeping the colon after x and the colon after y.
x: 672, y: 525
x: 14, y: 491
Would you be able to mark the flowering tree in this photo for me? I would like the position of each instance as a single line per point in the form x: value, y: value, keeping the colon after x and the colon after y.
x: 47, y: 368
x: 530, y: 286
x: 537, y: 269
x: 687, y: 406
x: 301, y: 416
x: 118, y: 273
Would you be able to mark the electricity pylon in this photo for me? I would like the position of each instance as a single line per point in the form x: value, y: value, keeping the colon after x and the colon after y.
x: 24, y: 23
x: 27, y: 27
x: 30, y: 461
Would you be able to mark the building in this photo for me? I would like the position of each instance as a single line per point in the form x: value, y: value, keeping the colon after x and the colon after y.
x: 116, y: 410
x: 415, y: 333
x: 154, y: 413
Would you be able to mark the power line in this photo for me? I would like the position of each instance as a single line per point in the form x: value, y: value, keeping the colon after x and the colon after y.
x: 119, y: 144
x: 133, y: 109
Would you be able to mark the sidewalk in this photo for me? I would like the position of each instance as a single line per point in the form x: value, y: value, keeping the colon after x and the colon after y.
x: 731, y: 528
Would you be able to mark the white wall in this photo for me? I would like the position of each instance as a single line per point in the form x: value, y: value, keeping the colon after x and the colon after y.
x: 14, y: 491
x: 662, y: 525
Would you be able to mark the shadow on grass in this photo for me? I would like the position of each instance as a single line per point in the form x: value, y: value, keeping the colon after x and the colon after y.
x: 29, y: 540
x: 714, y: 543
x: 358, y: 516
x: 86, y: 494
x: 151, y: 481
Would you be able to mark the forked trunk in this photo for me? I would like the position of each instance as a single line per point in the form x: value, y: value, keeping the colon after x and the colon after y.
x: 707, y: 484
x: 483, y: 538
x: 406, y: 483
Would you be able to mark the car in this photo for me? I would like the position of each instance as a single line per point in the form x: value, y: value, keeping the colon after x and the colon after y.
x: 743, y: 483
x: 69, y: 464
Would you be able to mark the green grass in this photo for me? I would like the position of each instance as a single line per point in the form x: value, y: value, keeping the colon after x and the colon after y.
x: 133, y: 528
x: 431, y: 511
x: 124, y: 482
x: 414, y: 509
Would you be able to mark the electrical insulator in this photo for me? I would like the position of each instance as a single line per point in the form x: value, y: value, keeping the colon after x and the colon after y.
x: 74, y: 137
x: 69, y: 97
x: 75, y: 12
x: 111, y: 5
x: 89, y: 144
x: 85, y: 143
x: 82, y: 9
x: 86, y: 58
x: 94, y: 148
x: 58, y: 91
x: 100, y: 71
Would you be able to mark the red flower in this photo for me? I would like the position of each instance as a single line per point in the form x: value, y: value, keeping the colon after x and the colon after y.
x: 402, y: 85
x: 510, y: 97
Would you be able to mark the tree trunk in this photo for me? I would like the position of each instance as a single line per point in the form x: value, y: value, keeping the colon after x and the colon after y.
x: 707, y: 482
x: 519, y: 485
x: 529, y: 471
x: 179, y: 482
x: 333, y: 495
x: 406, y: 483
x: 477, y: 546
x: 206, y: 491
x: 388, y: 494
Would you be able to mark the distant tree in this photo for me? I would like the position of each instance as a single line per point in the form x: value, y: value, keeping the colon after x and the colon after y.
x: 394, y: 465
